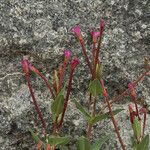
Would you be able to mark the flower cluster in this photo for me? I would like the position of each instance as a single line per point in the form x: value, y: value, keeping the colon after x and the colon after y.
x: 60, y: 90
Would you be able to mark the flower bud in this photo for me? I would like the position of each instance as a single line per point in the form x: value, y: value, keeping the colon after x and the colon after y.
x: 25, y: 66
x: 67, y: 54
x: 95, y: 35
x: 74, y: 63
x: 76, y: 29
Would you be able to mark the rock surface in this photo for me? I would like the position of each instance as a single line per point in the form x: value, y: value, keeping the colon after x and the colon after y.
x: 40, y: 30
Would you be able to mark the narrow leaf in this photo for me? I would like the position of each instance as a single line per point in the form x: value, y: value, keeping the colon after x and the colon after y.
x: 95, y: 88
x: 82, y: 110
x: 99, y: 142
x: 137, y: 128
x: 98, y: 118
x: 144, y: 145
x: 83, y: 144
x: 35, y: 136
x: 99, y: 71
x: 57, y: 106
x: 56, y: 140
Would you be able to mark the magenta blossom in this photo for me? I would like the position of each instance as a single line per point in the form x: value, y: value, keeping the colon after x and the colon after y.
x: 74, y: 62
x: 102, y: 26
x: 95, y: 35
x: 76, y: 29
x: 67, y: 54
x: 25, y: 66
x: 130, y: 86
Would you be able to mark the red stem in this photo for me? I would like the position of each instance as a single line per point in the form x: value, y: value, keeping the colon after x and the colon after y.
x: 62, y: 75
x: 47, y: 84
x: 36, y: 104
x: 126, y: 92
x: 67, y: 98
x: 97, y: 54
x: 85, y: 55
x: 114, y: 123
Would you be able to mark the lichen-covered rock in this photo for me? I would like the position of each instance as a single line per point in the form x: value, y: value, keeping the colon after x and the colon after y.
x: 40, y: 30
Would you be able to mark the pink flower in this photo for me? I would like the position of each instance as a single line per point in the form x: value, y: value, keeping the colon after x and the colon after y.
x: 67, y: 54
x: 76, y: 29
x: 130, y: 86
x: 74, y: 62
x: 25, y: 66
x: 95, y: 35
x: 102, y: 26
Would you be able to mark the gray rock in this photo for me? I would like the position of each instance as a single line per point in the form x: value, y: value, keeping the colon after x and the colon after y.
x: 40, y: 30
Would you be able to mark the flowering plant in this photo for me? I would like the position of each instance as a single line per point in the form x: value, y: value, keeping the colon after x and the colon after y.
x: 61, y: 93
x: 60, y: 100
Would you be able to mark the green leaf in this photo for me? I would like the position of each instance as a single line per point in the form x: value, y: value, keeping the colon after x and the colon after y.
x: 82, y: 110
x: 144, y: 145
x: 98, y: 118
x: 115, y: 112
x: 137, y: 128
x: 57, y: 105
x: 99, y: 71
x: 95, y: 88
x: 99, y: 142
x: 36, y: 138
x: 83, y: 144
x: 56, y: 140
x: 34, y: 135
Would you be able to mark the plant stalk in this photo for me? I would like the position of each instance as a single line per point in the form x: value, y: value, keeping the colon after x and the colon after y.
x: 67, y: 98
x: 114, y: 123
x: 47, y: 84
x: 36, y: 104
x: 126, y: 92
x: 85, y: 55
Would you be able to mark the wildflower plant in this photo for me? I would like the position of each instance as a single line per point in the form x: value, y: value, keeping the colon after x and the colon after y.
x: 139, y: 139
x: 60, y: 92
x: 60, y: 95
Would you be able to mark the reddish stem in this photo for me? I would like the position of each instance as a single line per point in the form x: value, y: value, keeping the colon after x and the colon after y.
x: 126, y: 92
x: 36, y: 104
x: 67, y: 98
x: 85, y: 55
x: 47, y: 84
x: 97, y: 54
x: 114, y: 123
x: 55, y: 127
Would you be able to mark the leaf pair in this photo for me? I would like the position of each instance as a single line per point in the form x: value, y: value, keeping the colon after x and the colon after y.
x: 92, y: 120
x: 51, y: 140
x: 84, y: 144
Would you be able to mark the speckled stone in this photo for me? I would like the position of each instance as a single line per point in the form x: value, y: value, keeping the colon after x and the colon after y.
x: 40, y: 30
